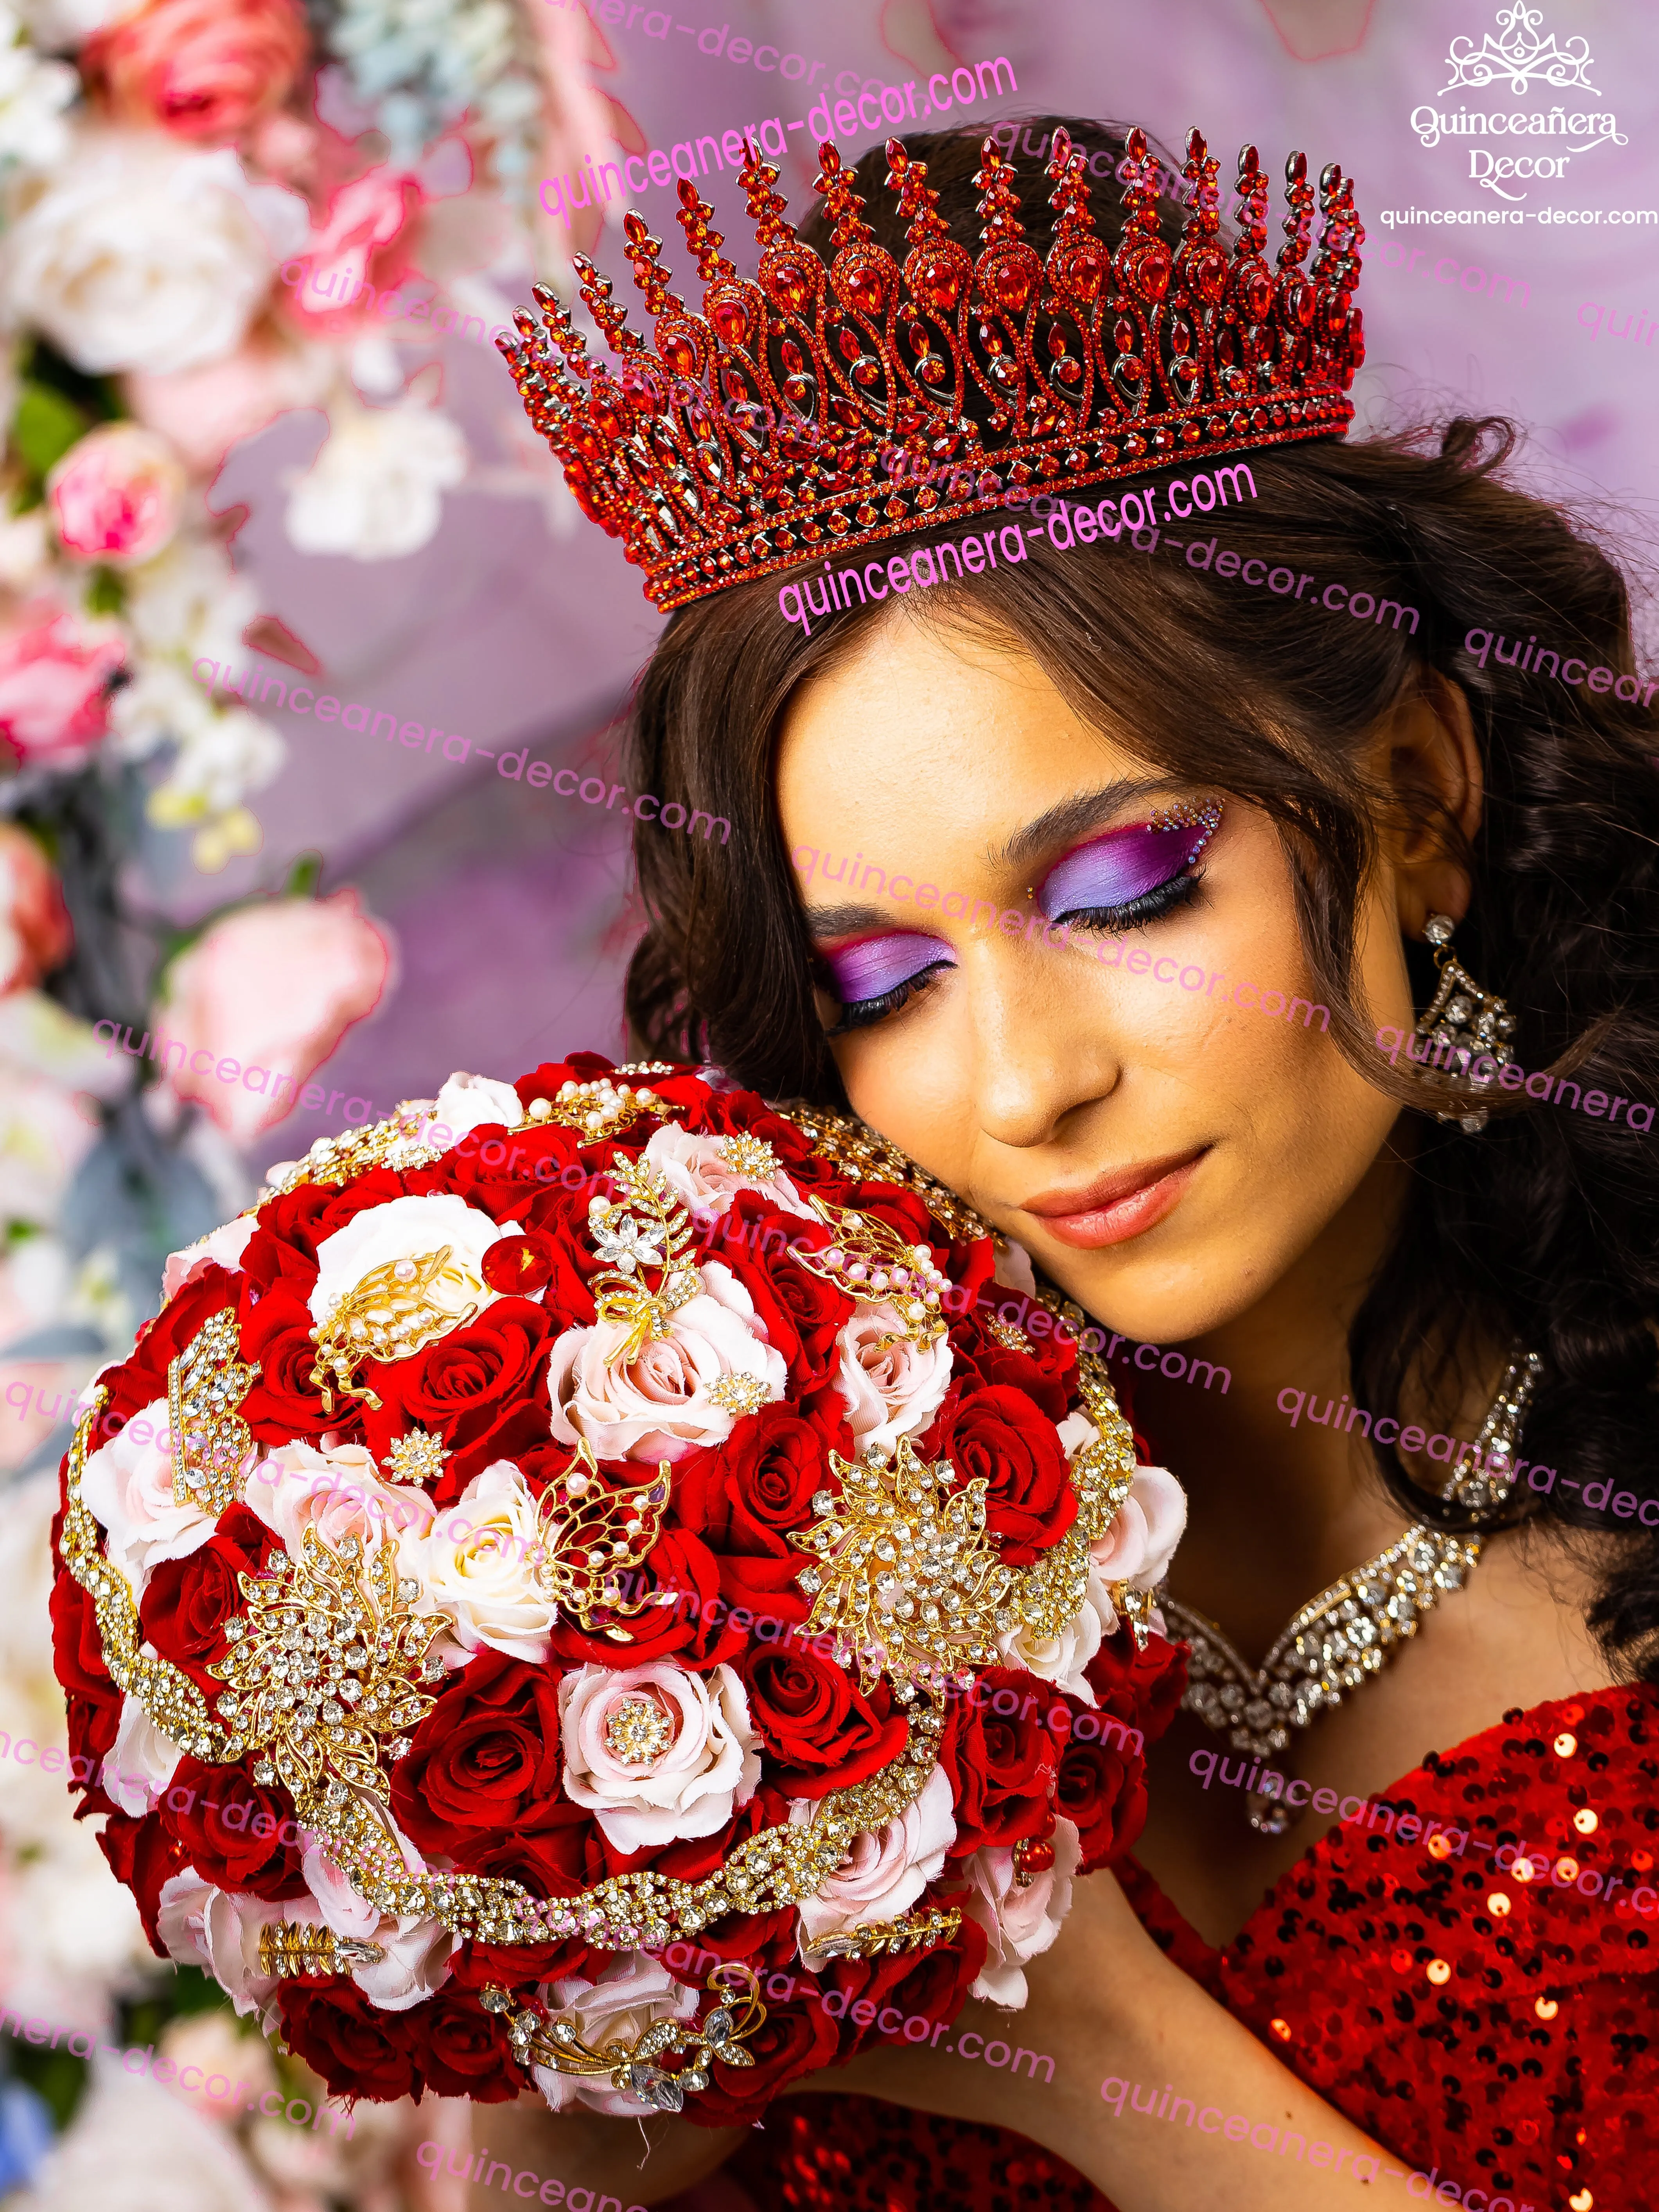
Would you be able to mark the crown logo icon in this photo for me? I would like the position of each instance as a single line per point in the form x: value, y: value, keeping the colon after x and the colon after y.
x: 749, y: 438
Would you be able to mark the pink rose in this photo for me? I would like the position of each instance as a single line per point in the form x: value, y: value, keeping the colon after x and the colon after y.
x: 218, y: 1930
x: 54, y: 683
x: 884, y: 1871
x: 199, y: 69
x: 671, y: 1397
x: 1140, y: 1543
x: 116, y: 494
x: 892, y: 1390
x: 1021, y: 1921
x: 202, y: 412
x: 271, y: 989
x: 128, y: 1484
x: 700, y: 1176
x: 35, y: 936
x: 632, y: 1994
x: 655, y: 1752
x: 363, y: 244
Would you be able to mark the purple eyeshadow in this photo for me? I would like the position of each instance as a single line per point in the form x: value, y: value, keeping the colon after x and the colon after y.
x: 1120, y: 867
x: 876, y: 965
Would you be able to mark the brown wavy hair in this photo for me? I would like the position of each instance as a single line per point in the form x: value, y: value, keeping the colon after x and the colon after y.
x: 1543, y: 1230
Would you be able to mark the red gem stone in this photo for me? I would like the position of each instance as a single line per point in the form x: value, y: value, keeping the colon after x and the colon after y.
x: 1037, y: 1858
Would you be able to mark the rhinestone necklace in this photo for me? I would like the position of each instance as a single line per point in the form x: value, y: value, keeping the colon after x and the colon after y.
x: 1340, y: 1639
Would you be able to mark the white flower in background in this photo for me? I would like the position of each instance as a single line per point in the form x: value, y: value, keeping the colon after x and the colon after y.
x: 43, y: 1139
x: 402, y: 1229
x: 190, y: 603
x: 25, y: 544
x: 884, y: 1871
x: 473, y: 1101
x: 128, y: 1484
x: 697, y: 1172
x: 374, y: 489
x: 656, y: 1752
x: 661, y: 1405
x: 630, y: 1996
x: 55, y: 24
x: 34, y: 94
x: 141, y: 254
x: 70, y: 1937
x: 478, y: 1566
x: 1020, y: 1923
x: 892, y: 1388
x: 141, y: 1763
x: 132, y: 2146
x: 217, y: 764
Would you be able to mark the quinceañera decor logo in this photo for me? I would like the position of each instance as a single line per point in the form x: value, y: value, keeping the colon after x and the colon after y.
x: 1517, y: 58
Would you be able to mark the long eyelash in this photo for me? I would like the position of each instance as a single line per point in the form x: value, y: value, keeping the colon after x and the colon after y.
x: 1151, y: 906
x: 858, y: 1013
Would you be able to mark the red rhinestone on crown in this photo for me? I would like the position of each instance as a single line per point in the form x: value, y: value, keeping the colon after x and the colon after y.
x: 767, y: 431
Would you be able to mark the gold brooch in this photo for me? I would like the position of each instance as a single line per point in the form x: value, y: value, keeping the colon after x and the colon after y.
x: 872, y: 1263
x: 291, y: 1947
x: 601, y: 1110
x: 328, y: 1659
x: 206, y: 1383
x: 393, y: 1312
x: 542, y: 2039
x: 591, y: 1536
x: 646, y: 1240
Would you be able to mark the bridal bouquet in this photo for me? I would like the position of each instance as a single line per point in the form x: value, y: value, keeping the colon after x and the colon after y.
x: 415, y: 1574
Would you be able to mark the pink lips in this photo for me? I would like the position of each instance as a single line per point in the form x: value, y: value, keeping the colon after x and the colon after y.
x: 1117, y: 1206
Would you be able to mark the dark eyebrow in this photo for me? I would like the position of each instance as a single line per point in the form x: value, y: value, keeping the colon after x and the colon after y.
x: 836, y: 920
x: 1071, y: 819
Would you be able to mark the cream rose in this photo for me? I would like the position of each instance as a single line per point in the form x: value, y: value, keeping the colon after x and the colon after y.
x: 892, y: 1389
x: 141, y: 1763
x: 701, y: 1178
x: 655, y: 1752
x: 339, y: 1493
x: 1061, y: 1658
x: 128, y: 1484
x: 223, y: 1247
x: 1139, y: 1545
x: 885, y: 1869
x: 402, y: 1229
x: 479, y: 1565
x: 1019, y: 1922
x: 630, y: 1996
x: 659, y: 1407
x: 473, y: 1101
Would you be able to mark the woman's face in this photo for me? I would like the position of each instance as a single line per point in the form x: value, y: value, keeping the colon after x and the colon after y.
x: 1122, y: 1105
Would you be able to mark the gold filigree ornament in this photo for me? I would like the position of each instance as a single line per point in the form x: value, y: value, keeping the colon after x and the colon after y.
x: 591, y: 1535
x: 392, y: 1312
x: 884, y: 1939
x: 291, y: 1947
x: 206, y: 1383
x: 603, y: 1109
x: 541, y: 2037
x: 869, y: 1261
x: 645, y: 1234
x: 328, y: 1658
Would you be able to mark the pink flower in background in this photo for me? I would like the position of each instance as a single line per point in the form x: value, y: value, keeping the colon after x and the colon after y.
x: 364, y: 241
x: 200, y: 68
x: 203, y: 412
x: 54, y: 677
x: 116, y: 494
x: 35, y: 936
x: 272, y: 988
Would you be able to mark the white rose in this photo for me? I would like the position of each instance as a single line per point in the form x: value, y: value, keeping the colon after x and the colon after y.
x: 142, y: 1762
x: 702, y: 1179
x: 222, y: 1247
x: 479, y: 1565
x: 34, y: 94
x: 143, y: 254
x: 659, y: 1407
x: 373, y: 491
x: 1139, y: 1545
x: 884, y: 1871
x: 655, y: 1752
x: 630, y: 1996
x: 402, y: 1229
x: 128, y: 1484
x: 473, y: 1101
x: 201, y: 1925
x: 892, y: 1389
x: 1020, y: 1923
x: 1061, y: 1658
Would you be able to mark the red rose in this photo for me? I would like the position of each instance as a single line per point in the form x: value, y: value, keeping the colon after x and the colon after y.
x: 933, y: 1987
x: 141, y: 1380
x: 825, y: 1734
x: 746, y: 1494
x: 186, y: 1602
x: 462, y: 2053
x: 693, y: 1629
x: 801, y: 1314
x: 567, y: 1854
x: 1001, y: 1767
x: 486, y: 1756
x: 1045, y: 1374
x: 1103, y: 1789
x: 231, y: 1830
x: 1143, y: 1687
x: 1030, y: 1503
x: 791, y: 2040
x: 483, y: 1388
x: 359, y: 2051
x: 282, y: 1249
x: 520, y: 1966
x: 94, y: 1701
x: 284, y: 1402
x: 142, y: 1854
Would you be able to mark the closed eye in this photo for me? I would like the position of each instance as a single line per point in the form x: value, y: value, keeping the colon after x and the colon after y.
x: 876, y: 975
x: 1128, y: 876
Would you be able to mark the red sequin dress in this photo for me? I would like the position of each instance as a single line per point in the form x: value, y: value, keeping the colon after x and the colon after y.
x: 1504, y: 2032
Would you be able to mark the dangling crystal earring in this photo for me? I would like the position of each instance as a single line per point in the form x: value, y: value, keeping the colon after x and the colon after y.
x: 1465, y: 1019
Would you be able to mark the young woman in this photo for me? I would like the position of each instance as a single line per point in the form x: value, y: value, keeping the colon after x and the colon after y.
x: 1091, y: 881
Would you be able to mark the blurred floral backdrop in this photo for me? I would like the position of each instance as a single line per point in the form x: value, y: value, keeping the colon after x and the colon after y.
x: 252, y: 257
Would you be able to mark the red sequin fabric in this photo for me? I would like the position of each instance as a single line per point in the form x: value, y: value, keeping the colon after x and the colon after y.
x: 1497, y: 2028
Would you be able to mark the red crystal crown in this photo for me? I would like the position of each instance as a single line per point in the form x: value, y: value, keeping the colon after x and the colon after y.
x: 763, y: 432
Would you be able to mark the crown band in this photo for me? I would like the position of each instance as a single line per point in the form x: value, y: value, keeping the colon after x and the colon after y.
x: 1092, y: 365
